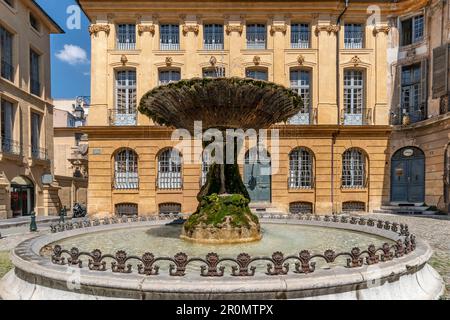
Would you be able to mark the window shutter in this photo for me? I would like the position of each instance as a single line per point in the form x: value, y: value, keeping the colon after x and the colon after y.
x: 440, y: 71
x: 424, y: 88
x: 396, y: 108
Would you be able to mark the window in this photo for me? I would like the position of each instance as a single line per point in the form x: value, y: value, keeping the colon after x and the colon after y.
x: 257, y: 74
x: 353, y: 36
x: 300, y: 169
x: 169, y: 170
x: 125, y: 111
x: 353, y: 97
x: 413, y: 92
x: 6, y: 45
x: 36, y: 151
x: 35, y: 86
x: 412, y: 30
x: 300, y: 207
x: 7, y: 145
x: 34, y: 22
x: 206, y: 164
x: 169, y: 37
x: 126, y: 209
x: 10, y: 3
x: 256, y: 36
x: 126, y: 37
x: 300, y: 36
x: 217, y: 72
x: 301, y: 82
x: 213, y: 37
x: 353, y: 206
x: 126, y: 170
x: 353, y: 169
x: 169, y: 208
x: 167, y: 76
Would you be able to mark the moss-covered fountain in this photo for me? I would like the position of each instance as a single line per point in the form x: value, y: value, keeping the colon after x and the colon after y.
x: 223, y: 214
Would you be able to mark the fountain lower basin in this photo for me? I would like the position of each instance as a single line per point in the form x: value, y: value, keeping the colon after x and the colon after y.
x: 405, y: 277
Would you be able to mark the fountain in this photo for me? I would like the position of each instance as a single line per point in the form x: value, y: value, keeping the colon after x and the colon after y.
x: 223, y: 214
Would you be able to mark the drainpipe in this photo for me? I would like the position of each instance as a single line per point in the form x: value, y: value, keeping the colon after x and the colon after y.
x: 338, y: 98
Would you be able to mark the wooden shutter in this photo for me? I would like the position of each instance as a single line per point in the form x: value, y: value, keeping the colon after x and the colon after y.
x: 424, y: 88
x: 396, y: 97
x: 440, y: 71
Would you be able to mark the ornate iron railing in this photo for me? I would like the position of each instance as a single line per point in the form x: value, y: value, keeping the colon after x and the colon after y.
x: 10, y: 146
x: 121, y: 117
x: 212, y: 265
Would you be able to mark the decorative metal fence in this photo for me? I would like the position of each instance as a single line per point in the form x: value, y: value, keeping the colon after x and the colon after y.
x: 212, y: 265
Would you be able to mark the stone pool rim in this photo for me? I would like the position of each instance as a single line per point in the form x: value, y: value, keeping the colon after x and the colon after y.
x: 35, y: 277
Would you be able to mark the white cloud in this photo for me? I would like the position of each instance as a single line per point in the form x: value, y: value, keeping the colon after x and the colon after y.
x: 86, y: 73
x: 72, y: 54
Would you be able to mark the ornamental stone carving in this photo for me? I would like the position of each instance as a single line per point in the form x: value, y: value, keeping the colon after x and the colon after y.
x: 123, y: 59
x: 169, y: 61
x: 96, y: 28
x: 234, y: 28
x: 146, y: 28
x: 278, y: 28
x: 213, y: 60
x: 191, y: 28
x: 256, y: 60
x: 378, y: 29
x: 331, y: 28
x: 355, y: 61
x: 301, y: 59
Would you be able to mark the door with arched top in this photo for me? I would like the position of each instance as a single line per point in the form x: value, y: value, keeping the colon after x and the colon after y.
x: 408, y: 176
x: 258, y: 176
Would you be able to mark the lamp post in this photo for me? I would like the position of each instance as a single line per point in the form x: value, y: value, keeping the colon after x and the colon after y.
x: 33, y: 226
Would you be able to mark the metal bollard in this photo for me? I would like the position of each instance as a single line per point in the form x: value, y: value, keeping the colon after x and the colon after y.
x: 33, y: 226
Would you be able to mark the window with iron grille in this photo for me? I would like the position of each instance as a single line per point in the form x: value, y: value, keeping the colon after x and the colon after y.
x: 213, y: 37
x: 35, y: 86
x: 126, y: 37
x: 169, y: 170
x: 206, y: 163
x: 300, y: 169
x: 353, y: 97
x: 353, y: 169
x: 300, y: 207
x: 353, y: 206
x: 6, y: 46
x: 412, y: 30
x: 169, y: 208
x: 353, y: 36
x: 126, y: 209
x: 125, y: 110
x: 216, y: 72
x: 257, y: 74
x: 301, y: 83
x: 256, y: 36
x: 411, y: 93
x: 300, y: 36
x: 169, y: 37
x: 126, y: 170
x: 167, y: 76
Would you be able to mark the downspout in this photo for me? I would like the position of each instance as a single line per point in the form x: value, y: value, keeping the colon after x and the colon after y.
x: 338, y: 98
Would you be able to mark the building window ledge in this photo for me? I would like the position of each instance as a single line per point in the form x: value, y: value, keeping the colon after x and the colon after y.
x: 354, y: 190
x: 301, y: 190
x: 169, y: 191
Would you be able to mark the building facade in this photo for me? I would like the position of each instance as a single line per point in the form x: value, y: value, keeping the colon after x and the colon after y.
x: 26, y: 149
x: 334, y: 156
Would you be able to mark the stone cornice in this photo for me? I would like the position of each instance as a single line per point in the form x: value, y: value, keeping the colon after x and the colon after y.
x: 96, y: 28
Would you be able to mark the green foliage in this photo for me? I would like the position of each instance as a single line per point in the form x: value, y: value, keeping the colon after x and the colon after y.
x: 214, y: 210
x: 5, y: 263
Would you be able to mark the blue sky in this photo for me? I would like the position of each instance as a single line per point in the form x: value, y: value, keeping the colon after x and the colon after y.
x: 70, y: 52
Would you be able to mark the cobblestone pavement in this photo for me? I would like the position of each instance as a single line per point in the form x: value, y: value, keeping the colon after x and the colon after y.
x: 436, y: 231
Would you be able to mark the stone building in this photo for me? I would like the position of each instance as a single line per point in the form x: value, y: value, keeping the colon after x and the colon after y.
x: 26, y: 148
x: 334, y: 156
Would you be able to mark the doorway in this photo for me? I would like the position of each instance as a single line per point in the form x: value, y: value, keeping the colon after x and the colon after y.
x: 22, y: 196
x: 258, y: 176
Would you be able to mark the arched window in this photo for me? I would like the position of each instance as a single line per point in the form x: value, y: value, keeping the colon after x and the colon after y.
x: 213, y: 72
x: 169, y: 208
x: 169, y: 75
x: 300, y: 169
x: 169, y: 169
x: 126, y: 170
x: 300, y: 207
x: 353, y: 206
x: 353, y: 169
x: 257, y: 73
x: 126, y: 209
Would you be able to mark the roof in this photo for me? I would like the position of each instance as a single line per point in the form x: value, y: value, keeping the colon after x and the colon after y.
x: 56, y: 26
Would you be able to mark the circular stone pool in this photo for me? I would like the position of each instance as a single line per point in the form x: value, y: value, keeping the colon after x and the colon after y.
x: 165, y: 240
x: 312, y: 257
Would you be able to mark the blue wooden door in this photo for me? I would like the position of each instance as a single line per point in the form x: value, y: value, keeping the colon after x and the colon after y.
x: 408, y: 176
x: 258, y: 180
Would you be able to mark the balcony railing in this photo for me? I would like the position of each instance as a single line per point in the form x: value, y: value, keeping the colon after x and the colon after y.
x: 39, y: 153
x: 7, y: 70
x: 126, y: 181
x: 301, y: 118
x: 213, y: 46
x: 125, y: 45
x: 300, y: 40
x: 170, y: 46
x: 119, y: 117
x: 10, y: 146
x: 404, y: 117
x: 357, y: 119
x: 353, y: 39
x: 256, y: 45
